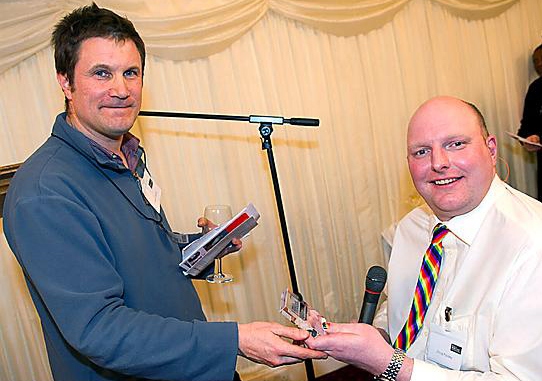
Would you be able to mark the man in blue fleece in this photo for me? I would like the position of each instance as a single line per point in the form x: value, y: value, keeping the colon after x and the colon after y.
x: 97, y: 252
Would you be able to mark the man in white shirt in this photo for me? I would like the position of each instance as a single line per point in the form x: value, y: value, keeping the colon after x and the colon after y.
x: 483, y: 320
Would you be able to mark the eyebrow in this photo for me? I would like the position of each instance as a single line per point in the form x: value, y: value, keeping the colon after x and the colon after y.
x: 445, y: 140
x: 110, y: 68
x: 99, y: 66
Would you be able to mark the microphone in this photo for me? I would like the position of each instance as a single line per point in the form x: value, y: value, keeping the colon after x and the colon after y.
x: 374, y: 284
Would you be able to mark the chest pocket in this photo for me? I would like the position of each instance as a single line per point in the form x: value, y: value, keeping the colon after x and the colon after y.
x: 470, y: 332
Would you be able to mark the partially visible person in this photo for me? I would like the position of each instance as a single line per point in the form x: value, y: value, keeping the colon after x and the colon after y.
x: 465, y: 270
x: 531, y: 122
x: 84, y: 220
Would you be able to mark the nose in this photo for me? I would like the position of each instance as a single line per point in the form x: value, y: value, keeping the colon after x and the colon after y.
x: 119, y: 88
x: 439, y: 160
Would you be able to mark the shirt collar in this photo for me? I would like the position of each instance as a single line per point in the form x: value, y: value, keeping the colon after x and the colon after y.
x: 466, y: 226
x: 129, y: 147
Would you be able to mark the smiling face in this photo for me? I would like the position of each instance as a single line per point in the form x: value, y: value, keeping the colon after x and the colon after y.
x: 451, y: 163
x: 105, y: 96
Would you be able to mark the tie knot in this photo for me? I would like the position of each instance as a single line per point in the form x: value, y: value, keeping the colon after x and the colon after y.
x: 439, y: 231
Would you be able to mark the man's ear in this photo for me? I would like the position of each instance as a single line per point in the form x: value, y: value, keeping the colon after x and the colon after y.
x: 64, y: 83
x: 491, y: 142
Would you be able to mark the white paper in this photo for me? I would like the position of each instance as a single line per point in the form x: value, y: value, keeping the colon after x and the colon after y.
x: 446, y: 348
x: 523, y: 140
x: 151, y: 191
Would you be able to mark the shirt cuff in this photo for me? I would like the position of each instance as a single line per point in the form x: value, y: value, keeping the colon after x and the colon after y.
x: 423, y: 371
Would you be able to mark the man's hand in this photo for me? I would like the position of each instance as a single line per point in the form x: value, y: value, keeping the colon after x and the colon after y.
x: 262, y: 342
x: 316, y: 321
x: 358, y: 344
x: 534, y: 139
x: 207, y: 225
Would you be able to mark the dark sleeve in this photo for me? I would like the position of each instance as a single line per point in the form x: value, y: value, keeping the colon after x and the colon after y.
x: 67, y: 259
x: 531, y: 121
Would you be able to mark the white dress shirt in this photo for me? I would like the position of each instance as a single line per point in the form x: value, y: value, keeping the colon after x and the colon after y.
x: 490, y: 277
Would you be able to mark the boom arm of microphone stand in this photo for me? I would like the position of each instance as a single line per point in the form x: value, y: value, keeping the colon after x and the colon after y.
x: 308, y: 122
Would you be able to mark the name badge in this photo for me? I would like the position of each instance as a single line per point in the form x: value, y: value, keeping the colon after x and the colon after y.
x: 151, y: 190
x: 446, y: 348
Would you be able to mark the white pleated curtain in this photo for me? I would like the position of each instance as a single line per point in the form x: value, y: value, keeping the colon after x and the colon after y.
x: 361, y: 67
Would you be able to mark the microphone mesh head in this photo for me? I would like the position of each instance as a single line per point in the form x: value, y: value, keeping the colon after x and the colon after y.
x: 376, y: 279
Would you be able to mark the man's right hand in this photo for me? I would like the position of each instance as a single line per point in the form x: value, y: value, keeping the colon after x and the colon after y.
x: 208, y: 225
x: 530, y: 147
x: 263, y: 343
x: 361, y: 345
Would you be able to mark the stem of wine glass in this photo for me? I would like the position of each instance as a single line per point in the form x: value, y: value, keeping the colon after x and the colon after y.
x: 220, y: 267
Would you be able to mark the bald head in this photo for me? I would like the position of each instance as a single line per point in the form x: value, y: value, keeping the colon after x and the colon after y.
x: 451, y: 156
x: 449, y: 104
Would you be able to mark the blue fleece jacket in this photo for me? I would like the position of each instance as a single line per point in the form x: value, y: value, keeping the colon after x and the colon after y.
x: 104, y: 274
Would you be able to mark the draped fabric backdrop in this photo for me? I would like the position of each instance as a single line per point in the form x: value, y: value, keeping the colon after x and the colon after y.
x: 361, y: 67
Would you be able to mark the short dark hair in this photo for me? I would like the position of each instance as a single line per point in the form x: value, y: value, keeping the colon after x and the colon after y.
x: 537, y: 48
x: 88, y: 22
x: 481, y: 120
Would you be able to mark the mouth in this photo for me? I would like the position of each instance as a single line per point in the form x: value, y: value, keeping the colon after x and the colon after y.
x: 117, y: 106
x: 448, y: 181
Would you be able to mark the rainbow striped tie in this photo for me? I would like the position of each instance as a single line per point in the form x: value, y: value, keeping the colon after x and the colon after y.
x: 424, y: 289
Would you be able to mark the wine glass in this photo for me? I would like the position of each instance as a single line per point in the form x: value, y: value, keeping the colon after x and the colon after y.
x: 218, y: 214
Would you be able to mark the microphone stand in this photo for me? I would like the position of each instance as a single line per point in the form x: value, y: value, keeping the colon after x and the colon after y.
x: 265, y: 129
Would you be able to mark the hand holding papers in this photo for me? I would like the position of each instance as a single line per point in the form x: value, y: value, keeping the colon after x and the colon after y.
x: 523, y: 140
x: 202, y: 252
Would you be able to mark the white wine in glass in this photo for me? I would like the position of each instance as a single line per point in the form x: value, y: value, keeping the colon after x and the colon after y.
x: 218, y: 214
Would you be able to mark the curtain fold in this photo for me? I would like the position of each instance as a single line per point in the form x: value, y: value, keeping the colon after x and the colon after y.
x: 25, y: 29
x: 341, y: 18
x: 476, y: 8
x: 199, y: 34
x: 183, y: 30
